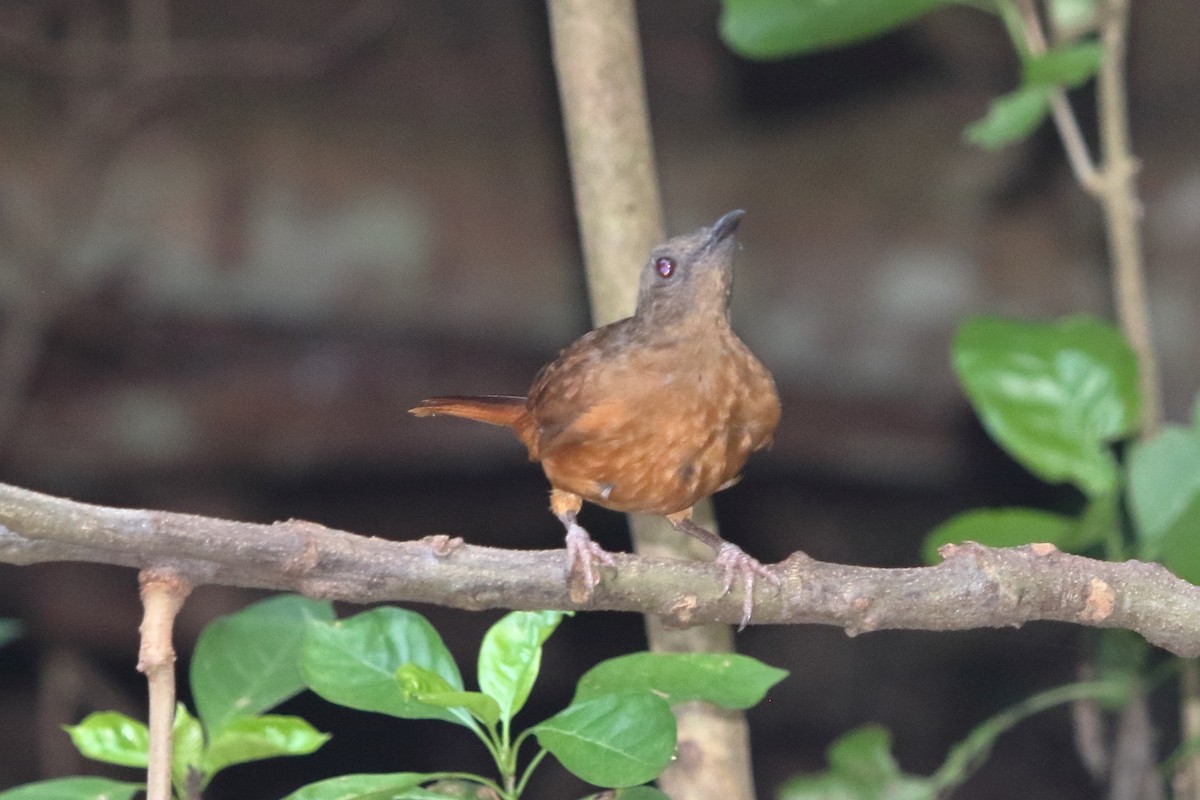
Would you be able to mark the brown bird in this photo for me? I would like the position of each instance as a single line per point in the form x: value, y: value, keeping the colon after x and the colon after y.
x: 650, y: 413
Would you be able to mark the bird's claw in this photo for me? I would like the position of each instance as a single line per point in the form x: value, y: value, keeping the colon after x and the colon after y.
x: 733, y: 562
x: 582, y: 556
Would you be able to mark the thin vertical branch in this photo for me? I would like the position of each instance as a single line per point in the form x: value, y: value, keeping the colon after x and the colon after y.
x: 1187, y: 780
x: 163, y: 592
x: 1074, y: 144
x: 1123, y: 210
x: 1131, y: 774
x: 597, y: 59
x: 598, y: 62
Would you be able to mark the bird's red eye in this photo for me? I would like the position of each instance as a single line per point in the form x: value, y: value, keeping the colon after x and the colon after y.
x: 664, y: 266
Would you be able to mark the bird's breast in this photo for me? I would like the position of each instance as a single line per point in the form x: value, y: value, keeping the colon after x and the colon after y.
x: 670, y: 432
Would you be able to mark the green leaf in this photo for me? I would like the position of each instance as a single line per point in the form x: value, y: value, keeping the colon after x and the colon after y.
x: 861, y: 767
x: 112, y: 738
x: 353, y: 662
x: 724, y: 679
x: 246, y: 663
x: 74, y: 789
x: 1010, y: 118
x: 1121, y: 657
x: 865, y: 753
x: 1071, y: 14
x: 9, y: 629
x: 511, y: 655
x: 423, y: 686
x: 615, y: 740
x: 772, y: 29
x: 187, y: 746
x: 822, y: 786
x: 1001, y: 527
x: 1054, y: 395
x: 1181, y: 550
x: 361, y: 787
x: 255, y: 738
x: 1067, y: 65
x: 1164, y: 498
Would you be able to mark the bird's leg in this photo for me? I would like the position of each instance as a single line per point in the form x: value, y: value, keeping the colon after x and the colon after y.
x: 582, y: 552
x: 732, y: 559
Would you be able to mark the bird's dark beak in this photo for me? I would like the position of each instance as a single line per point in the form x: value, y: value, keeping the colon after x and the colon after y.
x: 723, y: 228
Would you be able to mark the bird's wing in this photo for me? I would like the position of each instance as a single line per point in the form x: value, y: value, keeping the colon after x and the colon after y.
x: 581, y: 394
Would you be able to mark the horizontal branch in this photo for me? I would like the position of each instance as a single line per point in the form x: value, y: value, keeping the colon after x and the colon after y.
x: 975, y: 587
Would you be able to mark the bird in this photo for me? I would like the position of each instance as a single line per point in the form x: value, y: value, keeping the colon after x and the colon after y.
x: 649, y: 414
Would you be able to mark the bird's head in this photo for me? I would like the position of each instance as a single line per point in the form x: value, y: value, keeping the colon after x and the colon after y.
x: 691, y: 274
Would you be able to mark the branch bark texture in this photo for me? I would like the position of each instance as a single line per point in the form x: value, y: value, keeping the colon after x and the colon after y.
x: 975, y: 587
x: 163, y: 593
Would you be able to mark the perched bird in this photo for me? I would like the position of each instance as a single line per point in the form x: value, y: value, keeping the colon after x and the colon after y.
x: 650, y: 413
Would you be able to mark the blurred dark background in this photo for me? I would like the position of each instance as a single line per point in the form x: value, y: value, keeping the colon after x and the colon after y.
x: 231, y: 259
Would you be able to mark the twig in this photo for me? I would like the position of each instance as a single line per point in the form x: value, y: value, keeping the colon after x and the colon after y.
x: 599, y: 66
x: 1188, y: 774
x: 1074, y: 145
x: 163, y: 592
x: 1088, y: 725
x: 1123, y: 210
x: 1132, y: 775
x: 975, y: 587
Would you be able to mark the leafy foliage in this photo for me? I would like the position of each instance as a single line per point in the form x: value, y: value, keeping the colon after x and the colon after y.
x: 243, y: 664
x: 362, y: 787
x: 617, y: 732
x: 861, y: 767
x: 255, y: 738
x: 353, y: 662
x: 1164, y: 498
x: 1013, y: 116
x: 74, y: 789
x: 1010, y: 118
x: 728, y: 680
x: 1053, y: 395
x: 511, y: 655
x: 1056, y: 396
x: 1002, y: 527
x: 771, y: 29
x: 1067, y: 65
x: 615, y: 740
x: 774, y: 29
x: 111, y: 737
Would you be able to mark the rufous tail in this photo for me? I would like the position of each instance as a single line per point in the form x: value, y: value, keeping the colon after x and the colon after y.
x: 492, y: 409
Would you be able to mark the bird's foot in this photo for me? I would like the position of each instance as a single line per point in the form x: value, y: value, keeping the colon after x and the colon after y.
x: 583, y: 555
x: 734, y: 561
